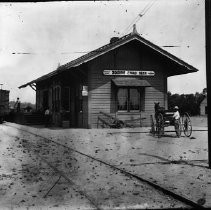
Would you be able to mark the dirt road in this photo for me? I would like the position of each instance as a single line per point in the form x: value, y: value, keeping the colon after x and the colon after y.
x: 78, y: 182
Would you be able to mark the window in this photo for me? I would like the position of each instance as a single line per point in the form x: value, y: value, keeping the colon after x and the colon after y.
x: 66, y: 99
x: 56, y: 99
x: 128, y: 99
x: 45, y: 99
x: 122, y: 98
x: 134, y: 102
x: 206, y: 110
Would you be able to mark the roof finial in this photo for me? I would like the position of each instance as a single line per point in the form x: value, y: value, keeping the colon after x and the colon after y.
x: 58, y: 66
x: 134, y: 29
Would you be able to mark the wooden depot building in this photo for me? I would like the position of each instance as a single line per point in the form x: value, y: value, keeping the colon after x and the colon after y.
x: 123, y: 78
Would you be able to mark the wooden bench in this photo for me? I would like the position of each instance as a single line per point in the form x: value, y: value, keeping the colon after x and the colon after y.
x: 133, y: 119
x: 132, y: 122
x: 109, y: 121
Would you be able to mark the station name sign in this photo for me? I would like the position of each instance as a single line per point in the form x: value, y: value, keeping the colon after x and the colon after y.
x: 128, y: 73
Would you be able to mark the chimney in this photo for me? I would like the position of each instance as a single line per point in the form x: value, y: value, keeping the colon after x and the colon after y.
x: 114, y: 39
x: 134, y: 29
x: 58, y: 66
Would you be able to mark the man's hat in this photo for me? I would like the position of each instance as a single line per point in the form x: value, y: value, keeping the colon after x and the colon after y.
x: 176, y: 107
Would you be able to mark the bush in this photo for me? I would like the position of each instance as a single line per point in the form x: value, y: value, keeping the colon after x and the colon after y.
x: 186, y: 102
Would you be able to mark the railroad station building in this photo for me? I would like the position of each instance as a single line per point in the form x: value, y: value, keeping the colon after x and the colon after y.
x: 4, y: 101
x: 203, y: 107
x: 122, y: 78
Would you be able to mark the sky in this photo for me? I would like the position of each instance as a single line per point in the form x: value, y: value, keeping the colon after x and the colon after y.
x: 36, y: 37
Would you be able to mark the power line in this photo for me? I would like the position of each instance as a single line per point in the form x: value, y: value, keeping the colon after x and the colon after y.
x: 46, y: 53
x: 132, y: 22
x: 141, y: 14
x: 149, y: 7
x: 82, y: 52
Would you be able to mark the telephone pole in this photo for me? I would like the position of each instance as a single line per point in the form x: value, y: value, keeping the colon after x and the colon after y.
x: 208, y: 69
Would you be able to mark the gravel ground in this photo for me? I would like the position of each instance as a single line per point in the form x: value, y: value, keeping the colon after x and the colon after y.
x: 25, y: 180
x: 103, y: 186
x: 178, y: 164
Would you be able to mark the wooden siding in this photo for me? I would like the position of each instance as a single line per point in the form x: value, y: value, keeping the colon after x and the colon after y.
x: 130, y: 56
x: 74, y: 81
x: 202, y: 107
x: 102, y: 92
x: 4, y: 101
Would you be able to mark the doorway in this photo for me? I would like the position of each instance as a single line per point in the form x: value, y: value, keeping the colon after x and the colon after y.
x: 45, y: 99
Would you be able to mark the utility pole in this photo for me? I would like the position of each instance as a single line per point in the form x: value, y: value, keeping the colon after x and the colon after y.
x: 208, y: 70
x: 1, y: 93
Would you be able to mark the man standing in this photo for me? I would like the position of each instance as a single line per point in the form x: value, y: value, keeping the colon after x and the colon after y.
x: 18, y: 105
x: 47, y: 117
x: 176, y: 115
x: 176, y: 118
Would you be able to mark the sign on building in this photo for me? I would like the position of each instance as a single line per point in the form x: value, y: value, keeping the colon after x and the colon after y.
x: 128, y: 73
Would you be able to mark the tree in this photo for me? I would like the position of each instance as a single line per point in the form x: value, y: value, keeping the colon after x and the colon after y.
x: 186, y: 102
x: 204, y: 91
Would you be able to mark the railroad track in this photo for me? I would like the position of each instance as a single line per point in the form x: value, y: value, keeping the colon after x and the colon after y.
x: 74, y: 186
x: 126, y: 173
x: 79, y: 190
x: 137, y: 132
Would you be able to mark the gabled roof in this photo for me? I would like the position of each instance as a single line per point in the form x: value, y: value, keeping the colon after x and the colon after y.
x: 111, y: 46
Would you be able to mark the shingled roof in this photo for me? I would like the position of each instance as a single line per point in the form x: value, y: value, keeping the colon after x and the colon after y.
x: 111, y: 46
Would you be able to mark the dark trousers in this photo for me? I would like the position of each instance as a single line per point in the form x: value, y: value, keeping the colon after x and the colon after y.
x: 47, y: 120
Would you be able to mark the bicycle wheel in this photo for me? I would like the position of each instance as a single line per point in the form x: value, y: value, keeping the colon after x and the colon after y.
x: 187, y: 127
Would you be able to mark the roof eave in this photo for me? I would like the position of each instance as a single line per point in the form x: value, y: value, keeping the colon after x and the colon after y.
x: 182, y: 72
x: 111, y: 47
x: 25, y: 85
x: 142, y: 40
x: 46, y: 76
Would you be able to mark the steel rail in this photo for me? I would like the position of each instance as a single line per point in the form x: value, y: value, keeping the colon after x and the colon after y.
x: 127, y: 173
x: 82, y: 192
x: 136, y: 132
